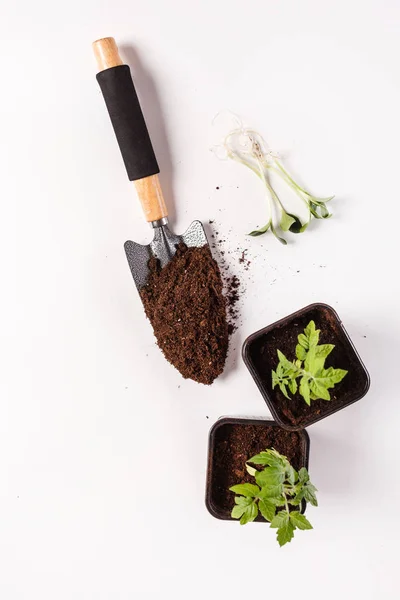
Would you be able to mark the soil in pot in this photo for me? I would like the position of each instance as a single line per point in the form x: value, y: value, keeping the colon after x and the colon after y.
x: 232, y: 443
x: 188, y: 309
x: 262, y: 352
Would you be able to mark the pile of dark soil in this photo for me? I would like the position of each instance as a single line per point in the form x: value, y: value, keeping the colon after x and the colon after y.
x: 186, y: 306
x: 234, y: 444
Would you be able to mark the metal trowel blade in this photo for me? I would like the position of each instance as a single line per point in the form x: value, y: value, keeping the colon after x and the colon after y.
x: 163, y: 247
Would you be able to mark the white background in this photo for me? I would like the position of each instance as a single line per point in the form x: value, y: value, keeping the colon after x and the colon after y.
x: 102, y: 444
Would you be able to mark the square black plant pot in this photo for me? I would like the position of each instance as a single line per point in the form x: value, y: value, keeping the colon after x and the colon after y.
x: 260, y: 355
x: 232, y: 441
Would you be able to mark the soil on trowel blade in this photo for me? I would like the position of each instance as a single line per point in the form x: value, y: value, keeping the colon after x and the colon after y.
x: 187, y: 308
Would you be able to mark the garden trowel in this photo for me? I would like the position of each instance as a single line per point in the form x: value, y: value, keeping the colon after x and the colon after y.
x: 141, y: 164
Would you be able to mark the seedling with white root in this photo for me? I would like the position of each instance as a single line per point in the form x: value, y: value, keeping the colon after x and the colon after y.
x: 247, y: 147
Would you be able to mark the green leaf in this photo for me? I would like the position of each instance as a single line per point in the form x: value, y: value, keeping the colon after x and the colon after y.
x: 250, y: 514
x: 309, y: 494
x: 303, y: 475
x: 251, y: 470
x: 275, y: 379
x: 284, y: 361
x: 305, y: 389
x: 282, y: 387
x: 312, y: 334
x: 273, y: 493
x: 296, y: 500
x: 303, y: 341
x: 270, y: 457
x: 245, y: 489
x: 334, y: 375
x: 291, y: 475
x: 285, y: 533
x: 319, y: 390
x: 271, y: 476
x: 286, y: 221
x: 293, y: 386
x: 267, y: 509
x: 323, y: 350
x: 243, y: 500
x: 301, y: 352
x: 312, y: 364
x: 280, y: 519
x: 238, y: 511
x: 299, y: 520
x: 261, y: 231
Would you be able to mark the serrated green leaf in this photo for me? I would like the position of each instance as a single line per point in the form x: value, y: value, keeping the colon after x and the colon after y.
x: 303, y: 341
x: 280, y: 519
x: 315, y: 365
x: 238, y: 511
x: 273, y: 493
x: 269, y: 457
x: 251, y: 470
x: 301, y: 352
x: 243, y: 500
x: 308, y: 493
x: 245, y: 489
x: 284, y: 361
x: 291, y: 475
x: 271, y: 476
x: 305, y: 389
x: 295, y: 501
x: 299, y: 520
x: 312, y: 334
x: 293, y: 386
x: 334, y: 375
x: 282, y: 387
x: 319, y: 390
x: 303, y: 475
x: 323, y: 350
x: 267, y: 509
x: 285, y: 533
x: 250, y: 514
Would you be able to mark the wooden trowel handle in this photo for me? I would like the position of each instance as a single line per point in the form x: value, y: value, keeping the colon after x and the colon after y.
x: 123, y: 106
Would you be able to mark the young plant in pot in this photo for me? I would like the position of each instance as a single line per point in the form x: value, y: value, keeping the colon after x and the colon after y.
x: 258, y: 471
x: 306, y: 366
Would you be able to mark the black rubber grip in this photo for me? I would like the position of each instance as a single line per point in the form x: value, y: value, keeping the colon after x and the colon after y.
x: 127, y: 119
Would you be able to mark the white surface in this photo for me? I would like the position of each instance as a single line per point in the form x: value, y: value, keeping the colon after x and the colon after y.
x: 102, y: 444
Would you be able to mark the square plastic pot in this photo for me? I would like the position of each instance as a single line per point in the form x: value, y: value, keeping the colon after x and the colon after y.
x: 253, y: 435
x: 260, y: 356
